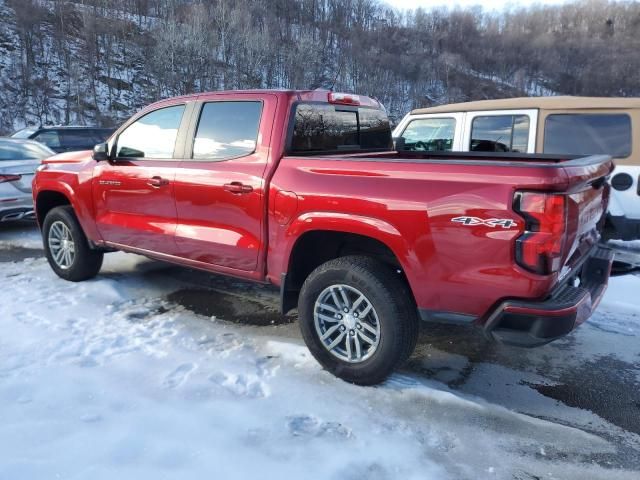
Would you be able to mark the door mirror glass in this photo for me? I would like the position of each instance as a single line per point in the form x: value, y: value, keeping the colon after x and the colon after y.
x: 101, y: 152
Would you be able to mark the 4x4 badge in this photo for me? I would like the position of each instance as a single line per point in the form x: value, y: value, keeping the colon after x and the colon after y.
x: 491, y: 222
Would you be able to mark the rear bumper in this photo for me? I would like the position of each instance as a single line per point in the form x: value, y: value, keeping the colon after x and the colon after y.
x: 531, y: 323
x: 17, y: 213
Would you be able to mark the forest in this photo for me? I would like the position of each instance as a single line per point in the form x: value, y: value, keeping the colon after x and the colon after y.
x: 95, y: 62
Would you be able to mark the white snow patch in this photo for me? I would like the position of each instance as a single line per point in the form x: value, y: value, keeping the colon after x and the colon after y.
x: 626, y: 244
x: 621, y: 303
x: 16, y: 235
x: 105, y: 379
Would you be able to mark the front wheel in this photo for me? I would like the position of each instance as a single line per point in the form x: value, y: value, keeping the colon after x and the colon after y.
x: 67, y: 248
x: 358, y: 318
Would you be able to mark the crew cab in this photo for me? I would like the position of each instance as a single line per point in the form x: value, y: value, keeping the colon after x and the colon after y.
x: 303, y: 190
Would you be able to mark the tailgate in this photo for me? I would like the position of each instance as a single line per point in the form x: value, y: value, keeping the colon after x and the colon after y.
x: 588, y: 194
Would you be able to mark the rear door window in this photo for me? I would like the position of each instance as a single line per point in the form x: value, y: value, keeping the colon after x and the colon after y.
x: 500, y: 133
x: 49, y: 137
x: 327, y: 128
x: 227, y: 130
x: 588, y: 134
x: 100, y: 135
x: 430, y: 134
x: 77, y: 139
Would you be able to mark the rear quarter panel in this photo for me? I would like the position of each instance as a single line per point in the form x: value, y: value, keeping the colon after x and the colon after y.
x: 409, y: 207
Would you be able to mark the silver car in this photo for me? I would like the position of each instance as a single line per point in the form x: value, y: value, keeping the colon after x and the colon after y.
x: 18, y: 162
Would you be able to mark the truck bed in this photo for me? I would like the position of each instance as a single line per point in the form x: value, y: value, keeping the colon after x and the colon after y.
x: 511, y: 159
x: 414, y: 197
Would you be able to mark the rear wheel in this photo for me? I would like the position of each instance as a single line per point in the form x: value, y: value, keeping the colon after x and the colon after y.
x: 67, y: 248
x: 358, y: 319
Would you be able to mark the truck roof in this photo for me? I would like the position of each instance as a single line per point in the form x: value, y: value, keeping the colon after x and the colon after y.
x: 545, y: 103
x: 319, y: 95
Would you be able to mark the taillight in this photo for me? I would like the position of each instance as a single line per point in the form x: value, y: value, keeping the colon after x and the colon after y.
x: 9, y: 178
x: 540, y: 248
x: 344, y: 98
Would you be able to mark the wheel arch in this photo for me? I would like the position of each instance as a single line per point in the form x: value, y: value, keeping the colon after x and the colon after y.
x: 47, y: 200
x: 49, y: 193
x: 318, y: 238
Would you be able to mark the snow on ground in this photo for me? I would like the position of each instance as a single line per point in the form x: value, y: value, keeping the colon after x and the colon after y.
x: 107, y: 379
x: 629, y: 244
x: 19, y: 235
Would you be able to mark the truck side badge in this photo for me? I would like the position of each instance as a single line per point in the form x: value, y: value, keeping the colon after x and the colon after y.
x: 491, y: 222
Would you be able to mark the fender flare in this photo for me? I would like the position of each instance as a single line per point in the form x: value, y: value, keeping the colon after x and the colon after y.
x: 371, y: 227
x: 63, y: 188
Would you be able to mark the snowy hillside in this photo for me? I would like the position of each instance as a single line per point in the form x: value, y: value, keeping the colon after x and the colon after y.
x: 96, y: 62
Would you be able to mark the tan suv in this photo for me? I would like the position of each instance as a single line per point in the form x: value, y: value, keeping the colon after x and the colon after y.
x: 555, y: 125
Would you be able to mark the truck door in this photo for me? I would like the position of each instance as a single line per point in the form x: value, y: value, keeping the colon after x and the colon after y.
x: 133, y: 193
x: 500, y: 131
x: 220, y: 187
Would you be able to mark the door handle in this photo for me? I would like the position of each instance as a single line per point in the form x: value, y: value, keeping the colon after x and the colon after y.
x: 238, y: 187
x: 157, y: 182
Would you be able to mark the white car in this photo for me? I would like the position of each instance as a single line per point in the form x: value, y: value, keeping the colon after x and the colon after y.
x: 555, y: 125
x: 18, y: 162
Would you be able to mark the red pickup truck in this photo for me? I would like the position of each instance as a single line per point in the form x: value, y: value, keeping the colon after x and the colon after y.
x: 304, y: 189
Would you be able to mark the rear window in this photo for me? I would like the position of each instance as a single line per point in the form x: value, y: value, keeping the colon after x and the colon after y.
x: 588, y: 134
x: 24, y: 133
x: 326, y: 128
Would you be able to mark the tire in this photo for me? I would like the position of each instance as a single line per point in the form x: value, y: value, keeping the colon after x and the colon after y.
x: 393, y: 315
x: 81, y: 262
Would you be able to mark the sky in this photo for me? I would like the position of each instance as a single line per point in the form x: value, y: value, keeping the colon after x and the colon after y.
x: 487, y: 4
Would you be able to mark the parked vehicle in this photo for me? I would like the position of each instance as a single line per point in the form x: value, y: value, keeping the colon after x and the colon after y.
x: 301, y: 189
x: 555, y: 125
x: 18, y: 162
x: 65, y: 138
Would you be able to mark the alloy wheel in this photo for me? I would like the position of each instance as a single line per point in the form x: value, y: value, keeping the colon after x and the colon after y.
x: 61, y: 245
x: 346, y: 323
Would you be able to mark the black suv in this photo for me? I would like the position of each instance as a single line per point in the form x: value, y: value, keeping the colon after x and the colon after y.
x: 66, y: 139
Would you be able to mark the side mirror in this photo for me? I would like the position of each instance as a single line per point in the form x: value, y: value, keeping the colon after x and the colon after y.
x: 398, y: 144
x: 101, y: 152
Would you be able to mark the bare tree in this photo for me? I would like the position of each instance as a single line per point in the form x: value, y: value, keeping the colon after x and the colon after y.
x: 97, y: 61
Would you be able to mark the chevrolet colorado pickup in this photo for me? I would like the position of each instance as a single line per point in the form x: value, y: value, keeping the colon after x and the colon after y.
x: 304, y: 190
